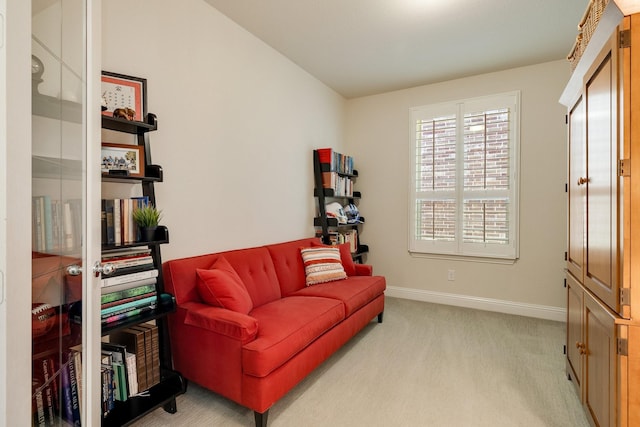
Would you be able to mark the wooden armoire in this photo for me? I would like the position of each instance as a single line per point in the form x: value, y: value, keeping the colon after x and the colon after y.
x: 603, y: 253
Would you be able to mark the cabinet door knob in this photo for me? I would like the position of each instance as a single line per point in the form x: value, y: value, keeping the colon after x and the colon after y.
x: 106, y: 268
x: 582, y: 180
x: 74, y: 270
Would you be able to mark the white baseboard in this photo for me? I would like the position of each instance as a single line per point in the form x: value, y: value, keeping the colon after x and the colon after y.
x: 509, y: 307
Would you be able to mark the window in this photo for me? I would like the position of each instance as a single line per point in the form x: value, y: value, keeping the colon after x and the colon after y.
x: 464, y: 177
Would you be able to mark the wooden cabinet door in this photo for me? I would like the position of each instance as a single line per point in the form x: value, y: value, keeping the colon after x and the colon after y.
x: 575, y: 341
x: 599, y: 383
x: 577, y: 189
x: 600, y: 275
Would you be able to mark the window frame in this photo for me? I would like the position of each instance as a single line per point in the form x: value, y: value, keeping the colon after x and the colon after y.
x: 458, y: 247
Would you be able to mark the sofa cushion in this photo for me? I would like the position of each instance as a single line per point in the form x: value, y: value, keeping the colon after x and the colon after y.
x: 288, y: 263
x: 322, y: 264
x: 354, y: 292
x: 287, y: 326
x: 345, y: 257
x: 221, y: 286
x: 255, y: 268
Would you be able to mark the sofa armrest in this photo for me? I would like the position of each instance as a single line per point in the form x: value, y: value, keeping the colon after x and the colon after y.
x: 364, y: 270
x: 222, y: 321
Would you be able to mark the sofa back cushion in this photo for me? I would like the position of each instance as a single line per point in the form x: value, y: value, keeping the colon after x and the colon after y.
x: 253, y: 266
x: 288, y: 263
x: 257, y: 272
x: 221, y: 286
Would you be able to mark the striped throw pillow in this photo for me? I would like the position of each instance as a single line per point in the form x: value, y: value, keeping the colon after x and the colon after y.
x: 322, y: 264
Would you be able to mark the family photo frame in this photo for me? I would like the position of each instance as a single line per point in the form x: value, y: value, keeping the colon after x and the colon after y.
x: 122, y: 159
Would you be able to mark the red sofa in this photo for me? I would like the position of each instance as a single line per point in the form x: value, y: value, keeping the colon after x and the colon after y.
x: 255, y: 358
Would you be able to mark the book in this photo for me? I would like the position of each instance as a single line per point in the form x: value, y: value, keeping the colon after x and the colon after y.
x: 127, y: 253
x: 151, y: 331
x: 48, y: 230
x: 127, y: 300
x: 128, y: 285
x: 127, y: 278
x: 117, y: 221
x: 125, y: 315
x: 50, y: 391
x: 70, y: 405
x: 125, y: 270
x: 132, y: 373
x: 44, y: 403
x: 128, y: 306
x: 124, y: 262
x: 110, y: 231
x: 148, y: 352
x: 127, y: 293
x: 108, y: 386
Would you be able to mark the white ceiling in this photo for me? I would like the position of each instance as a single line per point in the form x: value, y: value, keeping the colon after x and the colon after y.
x: 364, y: 47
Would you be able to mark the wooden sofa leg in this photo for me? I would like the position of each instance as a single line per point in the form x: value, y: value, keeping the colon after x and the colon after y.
x: 261, y: 418
x: 380, y: 315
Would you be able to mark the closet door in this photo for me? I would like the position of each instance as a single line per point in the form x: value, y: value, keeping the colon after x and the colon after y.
x: 600, y: 385
x: 64, y: 144
x: 600, y: 274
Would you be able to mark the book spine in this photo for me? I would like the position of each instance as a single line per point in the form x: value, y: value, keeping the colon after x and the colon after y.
x: 127, y: 293
x: 132, y: 313
x: 130, y: 262
x: 75, y: 399
x: 119, y: 280
x: 117, y: 221
x: 111, y: 237
x: 48, y: 223
x: 128, y: 285
x: 49, y: 398
x: 122, y: 308
x: 126, y: 270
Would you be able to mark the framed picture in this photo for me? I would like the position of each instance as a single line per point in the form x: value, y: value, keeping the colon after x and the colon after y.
x: 124, y: 95
x: 122, y: 159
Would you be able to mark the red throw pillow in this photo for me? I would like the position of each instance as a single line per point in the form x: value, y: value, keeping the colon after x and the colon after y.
x: 345, y: 257
x: 221, y: 286
x: 322, y: 264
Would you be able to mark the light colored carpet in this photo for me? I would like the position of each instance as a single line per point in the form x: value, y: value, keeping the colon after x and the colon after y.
x: 426, y: 365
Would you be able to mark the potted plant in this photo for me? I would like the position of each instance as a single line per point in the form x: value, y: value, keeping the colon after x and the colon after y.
x: 147, y: 219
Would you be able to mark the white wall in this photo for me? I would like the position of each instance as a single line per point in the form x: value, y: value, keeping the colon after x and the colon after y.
x: 237, y: 124
x: 238, y: 121
x: 378, y: 136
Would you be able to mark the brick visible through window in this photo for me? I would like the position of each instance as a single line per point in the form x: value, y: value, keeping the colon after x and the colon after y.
x: 464, y: 198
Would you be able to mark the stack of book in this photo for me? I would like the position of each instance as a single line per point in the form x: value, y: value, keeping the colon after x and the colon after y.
x: 131, y: 289
x: 116, y: 219
x: 130, y: 364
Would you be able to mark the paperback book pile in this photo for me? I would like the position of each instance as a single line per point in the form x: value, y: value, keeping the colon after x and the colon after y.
x: 116, y: 219
x: 130, y: 364
x: 131, y: 289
